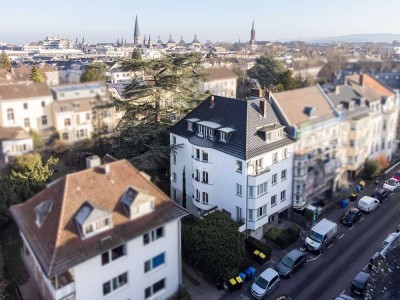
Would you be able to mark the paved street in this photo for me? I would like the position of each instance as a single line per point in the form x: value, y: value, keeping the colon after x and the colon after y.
x: 329, y: 274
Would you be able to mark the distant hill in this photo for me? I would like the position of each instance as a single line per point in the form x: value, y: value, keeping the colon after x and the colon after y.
x: 360, y: 38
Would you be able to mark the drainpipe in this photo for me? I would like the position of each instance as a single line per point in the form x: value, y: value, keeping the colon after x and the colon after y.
x: 247, y: 197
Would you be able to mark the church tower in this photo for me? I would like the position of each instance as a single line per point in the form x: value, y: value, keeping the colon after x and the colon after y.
x: 252, y: 36
x: 136, y: 35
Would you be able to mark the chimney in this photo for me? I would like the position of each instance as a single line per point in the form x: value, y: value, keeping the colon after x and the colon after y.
x: 268, y: 95
x: 256, y: 93
x: 92, y: 161
x: 361, y: 79
x: 212, y: 101
x: 337, y: 90
x: 263, y: 108
x: 106, y: 168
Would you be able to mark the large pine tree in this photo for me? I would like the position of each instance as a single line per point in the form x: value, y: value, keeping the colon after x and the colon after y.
x: 36, y: 75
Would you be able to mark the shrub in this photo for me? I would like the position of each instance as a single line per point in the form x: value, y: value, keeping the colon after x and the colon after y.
x: 371, y: 170
x: 285, y: 237
x: 252, y: 244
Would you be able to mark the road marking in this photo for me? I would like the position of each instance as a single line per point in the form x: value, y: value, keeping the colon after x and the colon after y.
x: 343, y: 292
x: 361, y: 219
x: 351, y: 227
x: 315, y: 258
x: 341, y: 236
x: 365, y: 267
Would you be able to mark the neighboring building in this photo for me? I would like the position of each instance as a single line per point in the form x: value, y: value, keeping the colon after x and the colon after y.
x: 14, y: 141
x: 26, y: 105
x: 102, y: 233
x: 22, y: 75
x: 238, y: 157
x: 220, y: 82
x: 318, y: 156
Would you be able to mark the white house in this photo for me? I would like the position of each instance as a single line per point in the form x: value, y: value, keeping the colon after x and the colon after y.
x: 236, y: 156
x: 103, y: 233
x: 220, y: 82
x: 14, y: 141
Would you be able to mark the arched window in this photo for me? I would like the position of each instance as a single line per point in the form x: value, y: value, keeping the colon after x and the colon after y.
x: 205, y: 177
x: 197, y: 195
x: 197, y: 176
x: 205, y: 197
x: 10, y: 114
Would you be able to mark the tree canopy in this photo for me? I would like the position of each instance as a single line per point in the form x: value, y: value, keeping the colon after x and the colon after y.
x: 272, y: 74
x: 214, y: 244
x: 136, y: 54
x: 94, y: 72
x: 36, y: 75
x: 5, y: 62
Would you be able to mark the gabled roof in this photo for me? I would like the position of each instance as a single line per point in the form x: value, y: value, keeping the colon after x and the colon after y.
x: 22, y: 91
x: 242, y: 116
x: 293, y: 104
x: 218, y: 74
x: 368, y: 87
x: 13, y: 133
x: 58, y: 245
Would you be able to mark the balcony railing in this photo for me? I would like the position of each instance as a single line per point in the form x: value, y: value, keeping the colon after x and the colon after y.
x: 259, y: 171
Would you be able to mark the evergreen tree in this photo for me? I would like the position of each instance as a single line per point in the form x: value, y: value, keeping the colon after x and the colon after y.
x: 136, y: 54
x: 167, y: 91
x: 5, y: 62
x: 36, y: 75
x: 95, y: 72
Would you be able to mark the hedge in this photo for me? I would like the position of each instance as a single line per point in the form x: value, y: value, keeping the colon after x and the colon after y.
x: 252, y: 244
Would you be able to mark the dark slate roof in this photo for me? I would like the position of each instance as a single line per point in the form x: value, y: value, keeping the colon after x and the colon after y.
x: 346, y: 93
x: 241, y: 115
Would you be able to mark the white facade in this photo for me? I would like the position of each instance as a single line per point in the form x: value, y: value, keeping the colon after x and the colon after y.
x: 222, y: 87
x: 12, y: 148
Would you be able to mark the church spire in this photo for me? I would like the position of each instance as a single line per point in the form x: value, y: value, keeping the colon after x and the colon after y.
x: 252, y: 35
x: 136, y: 35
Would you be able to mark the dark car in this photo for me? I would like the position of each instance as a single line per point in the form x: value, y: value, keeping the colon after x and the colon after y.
x: 359, y: 283
x: 291, y: 262
x: 381, y: 194
x: 351, y: 216
x: 372, y: 260
x: 397, y: 175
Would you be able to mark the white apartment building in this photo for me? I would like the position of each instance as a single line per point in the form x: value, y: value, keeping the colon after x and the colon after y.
x: 318, y: 155
x: 14, y: 141
x: 236, y: 156
x: 102, y: 233
x: 220, y: 82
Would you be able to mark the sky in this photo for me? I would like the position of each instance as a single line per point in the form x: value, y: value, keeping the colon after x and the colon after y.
x: 23, y: 21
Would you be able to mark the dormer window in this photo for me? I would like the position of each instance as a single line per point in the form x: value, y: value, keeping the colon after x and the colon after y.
x: 137, y: 202
x: 339, y: 107
x: 225, y: 134
x: 351, y: 105
x: 92, y: 219
x: 191, y: 123
x: 222, y: 137
x: 272, y: 132
x: 310, y: 111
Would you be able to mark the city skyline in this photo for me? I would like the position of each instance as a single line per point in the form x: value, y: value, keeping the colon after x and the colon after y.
x: 105, y: 22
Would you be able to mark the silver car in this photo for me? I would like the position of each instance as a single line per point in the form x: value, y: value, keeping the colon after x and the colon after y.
x: 265, y: 283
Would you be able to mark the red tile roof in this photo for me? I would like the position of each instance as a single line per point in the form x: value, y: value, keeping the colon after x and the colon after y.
x: 57, y: 244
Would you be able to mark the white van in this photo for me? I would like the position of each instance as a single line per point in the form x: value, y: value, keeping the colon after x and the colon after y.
x: 320, y: 235
x: 367, y: 204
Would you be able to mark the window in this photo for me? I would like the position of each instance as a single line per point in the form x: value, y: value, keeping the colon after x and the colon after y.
x: 351, y: 143
x: 63, y: 108
x: 197, y: 195
x: 65, y: 136
x: 78, y: 119
x: 283, y: 174
x: 155, y: 288
x: 274, y: 157
x: 174, y: 158
x: 283, y: 195
x: 197, y: 153
x: 259, y: 163
x: 238, y: 166
x: 10, y: 114
x: 113, y: 254
x: 174, y: 140
x: 25, y: 105
x: 81, y: 133
x: 174, y: 194
x: 274, y: 178
x: 205, y: 155
x: 239, y: 189
x: 251, y: 191
x: 153, y: 235
x: 27, y: 122
x: 205, y: 197
x: 205, y: 177
x: 197, y: 177
x: 273, y: 200
x: 261, y: 211
x: 250, y: 214
x: 190, y: 126
x: 238, y: 213
x: 155, y: 262
x: 261, y: 189
x: 87, y: 116
x: 284, y: 153
x: 200, y: 131
x: 384, y: 125
x: 43, y: 104
x: 117, y: 282
x: 174, y: 176
x: 223, y: 137
x: 67, y: 122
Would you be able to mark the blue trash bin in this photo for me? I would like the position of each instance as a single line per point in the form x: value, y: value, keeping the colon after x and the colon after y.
x: 358, y: 188
x: 343, y: 203
x: 243, y: 276
x: 251, y: 273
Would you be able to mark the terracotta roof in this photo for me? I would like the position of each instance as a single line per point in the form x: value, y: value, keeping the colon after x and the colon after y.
x: 219, y: 73
x: 21, y: 91
x: 368, y: 87
x: 13, y: 133
x: 57, y: 244
x: 294, y: 103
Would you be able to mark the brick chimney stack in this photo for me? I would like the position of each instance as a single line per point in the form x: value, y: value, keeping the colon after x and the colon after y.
x: 263, y: 108
x: 256, y: 93
x: 361, y: 79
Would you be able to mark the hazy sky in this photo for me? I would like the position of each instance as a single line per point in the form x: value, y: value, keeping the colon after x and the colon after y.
x: 217, y: 20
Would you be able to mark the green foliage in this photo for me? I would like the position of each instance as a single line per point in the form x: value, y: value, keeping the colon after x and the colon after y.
x: 37, y: 139
x: 214, y: 244
x: 308, y: 214
x: 272, y: 75
x: 5, y: 62
x: 371, y: 170
x: 136, y: 54
x: 95, y: 72
x: 36, y: 75
x: 27, y: 176
x: 283, y: 237
x: 169, y: 89
x: 184, y: 187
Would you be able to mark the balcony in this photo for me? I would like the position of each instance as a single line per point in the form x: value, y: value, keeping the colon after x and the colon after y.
x: 259, y: 171
x: 202, y: 205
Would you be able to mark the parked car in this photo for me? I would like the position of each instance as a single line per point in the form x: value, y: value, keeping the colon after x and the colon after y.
x: 291, y: 262
x: 396, y: 175
x: 390, y: 238
x: 391, y: 184
x: 359, y: 283
x: 367, y: 204
x: 351, y: 216
x: 372, y: 260
x: 265, y: 283
x: 381, y: 194
x: 344, y: 297
x: 398, y: 228
x: 322, y: 233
